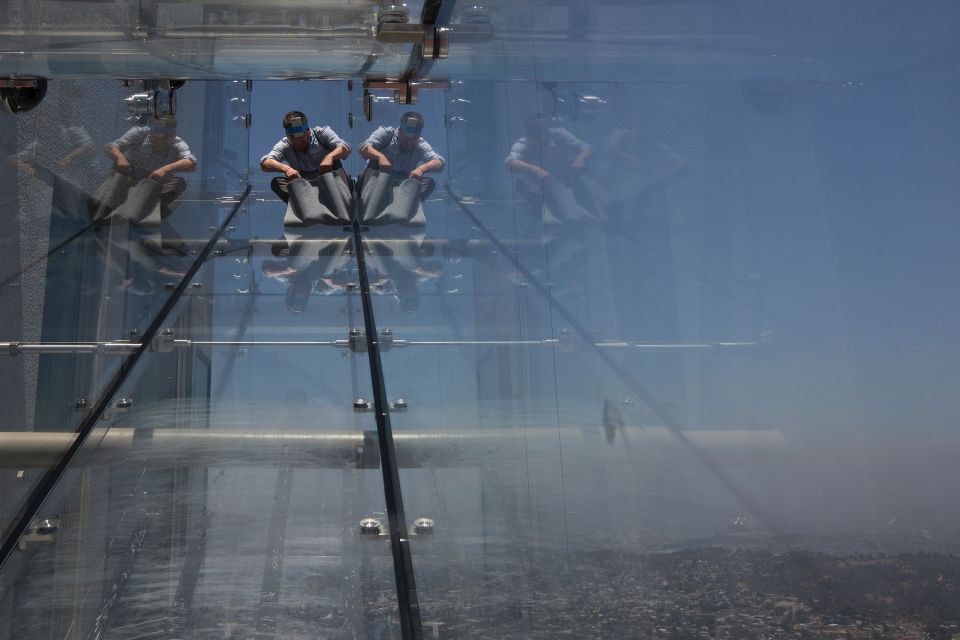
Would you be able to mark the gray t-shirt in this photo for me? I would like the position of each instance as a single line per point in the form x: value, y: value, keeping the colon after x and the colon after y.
x: 323, y: 140
x: 557, y: 149
x: 144, y: 157
x: 386, y: 140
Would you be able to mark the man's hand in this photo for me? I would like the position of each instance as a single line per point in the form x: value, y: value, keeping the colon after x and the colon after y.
x: 417, y: 173
x: 577, y: 165
x: 385, y: 164
x: 291, y: 173
x: 123, y: 167
x: 326, y: 164
x: 159, y: 174
x: 542, y: 173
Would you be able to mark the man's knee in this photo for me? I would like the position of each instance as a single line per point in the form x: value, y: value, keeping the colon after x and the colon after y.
x: 280, y: 186
x: 173, y: 186
x: 427, y: 185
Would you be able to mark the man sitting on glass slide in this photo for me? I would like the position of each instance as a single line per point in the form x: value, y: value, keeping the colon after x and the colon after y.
x: 401, y: 152
x: 304, y: 152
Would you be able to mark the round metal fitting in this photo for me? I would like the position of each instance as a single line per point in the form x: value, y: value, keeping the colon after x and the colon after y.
x: 136, y: 332
x: 197, y: 285
x: 81, y: 403
x: 476, y: 14
x: 167, y: 332
x: 124, y: 403
x: 393, y: 14
x: 48, y: 525
x: 370, y: 525
x: 355, y: 332
x: 423, y: 525
x: 399, y: 404
x: 140, y: 103
x: 170, y: 285
x: 361, y: 404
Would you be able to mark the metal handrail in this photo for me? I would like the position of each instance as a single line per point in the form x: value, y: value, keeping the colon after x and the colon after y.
x: 121, y: 347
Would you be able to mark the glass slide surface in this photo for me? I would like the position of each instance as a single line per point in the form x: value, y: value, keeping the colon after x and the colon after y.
x: 667, y: 347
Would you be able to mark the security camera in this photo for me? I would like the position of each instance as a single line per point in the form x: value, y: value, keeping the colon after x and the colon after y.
x: 20, y: 95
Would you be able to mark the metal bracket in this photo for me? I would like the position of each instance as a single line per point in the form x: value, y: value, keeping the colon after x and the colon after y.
x: 163, y: 342
x: 404, y: 91
x: 357, y: 341
x: 435, y: 39
x: 385, y: 339
x: 43, y: 531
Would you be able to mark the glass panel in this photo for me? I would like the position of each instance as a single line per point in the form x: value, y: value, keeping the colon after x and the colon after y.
x: 93, y: 248
x: 671, y: 356
x: 615, y: 41
x: 677, y: 327
x: 229, y: 498
x: 58, y: 38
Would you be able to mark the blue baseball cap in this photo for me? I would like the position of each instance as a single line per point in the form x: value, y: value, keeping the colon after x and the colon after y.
x: 411, y: 123
x: 297, y: 127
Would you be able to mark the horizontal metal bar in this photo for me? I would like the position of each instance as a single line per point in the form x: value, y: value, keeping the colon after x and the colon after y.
x: 657, y: 346
x: 121, y: 347
x: 448, y: 447
x: 222, y: 32
x: 479, y: 343
x: 261, y: 343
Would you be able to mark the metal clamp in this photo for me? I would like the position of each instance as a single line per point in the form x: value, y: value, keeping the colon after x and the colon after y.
x: 44, y: 530
x: 163, y: 342
x: 357, y: 341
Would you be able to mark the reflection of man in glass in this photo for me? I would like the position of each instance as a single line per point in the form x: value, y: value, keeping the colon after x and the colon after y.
x: 155, y: 152
x: 63, y: 156
x: 402, y: 152
x: 73, y: 148
x: 547, y: 151
x: 551, y: 163
x: 304, y: 152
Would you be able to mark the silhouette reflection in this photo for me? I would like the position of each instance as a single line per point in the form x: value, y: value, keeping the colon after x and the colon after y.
x: 142, y: 187
x: 310, y: 260
x: 550, y: 166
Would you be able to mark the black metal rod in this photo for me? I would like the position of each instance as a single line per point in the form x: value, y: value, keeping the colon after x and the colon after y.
x: 52, y: 477
x: 410, y: 626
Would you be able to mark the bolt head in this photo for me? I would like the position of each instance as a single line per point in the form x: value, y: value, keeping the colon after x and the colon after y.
x: 47, y: 525
x: 124, y: 403
x: 361, y: 403
x: 423, y: 525
x: 370, y: 525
